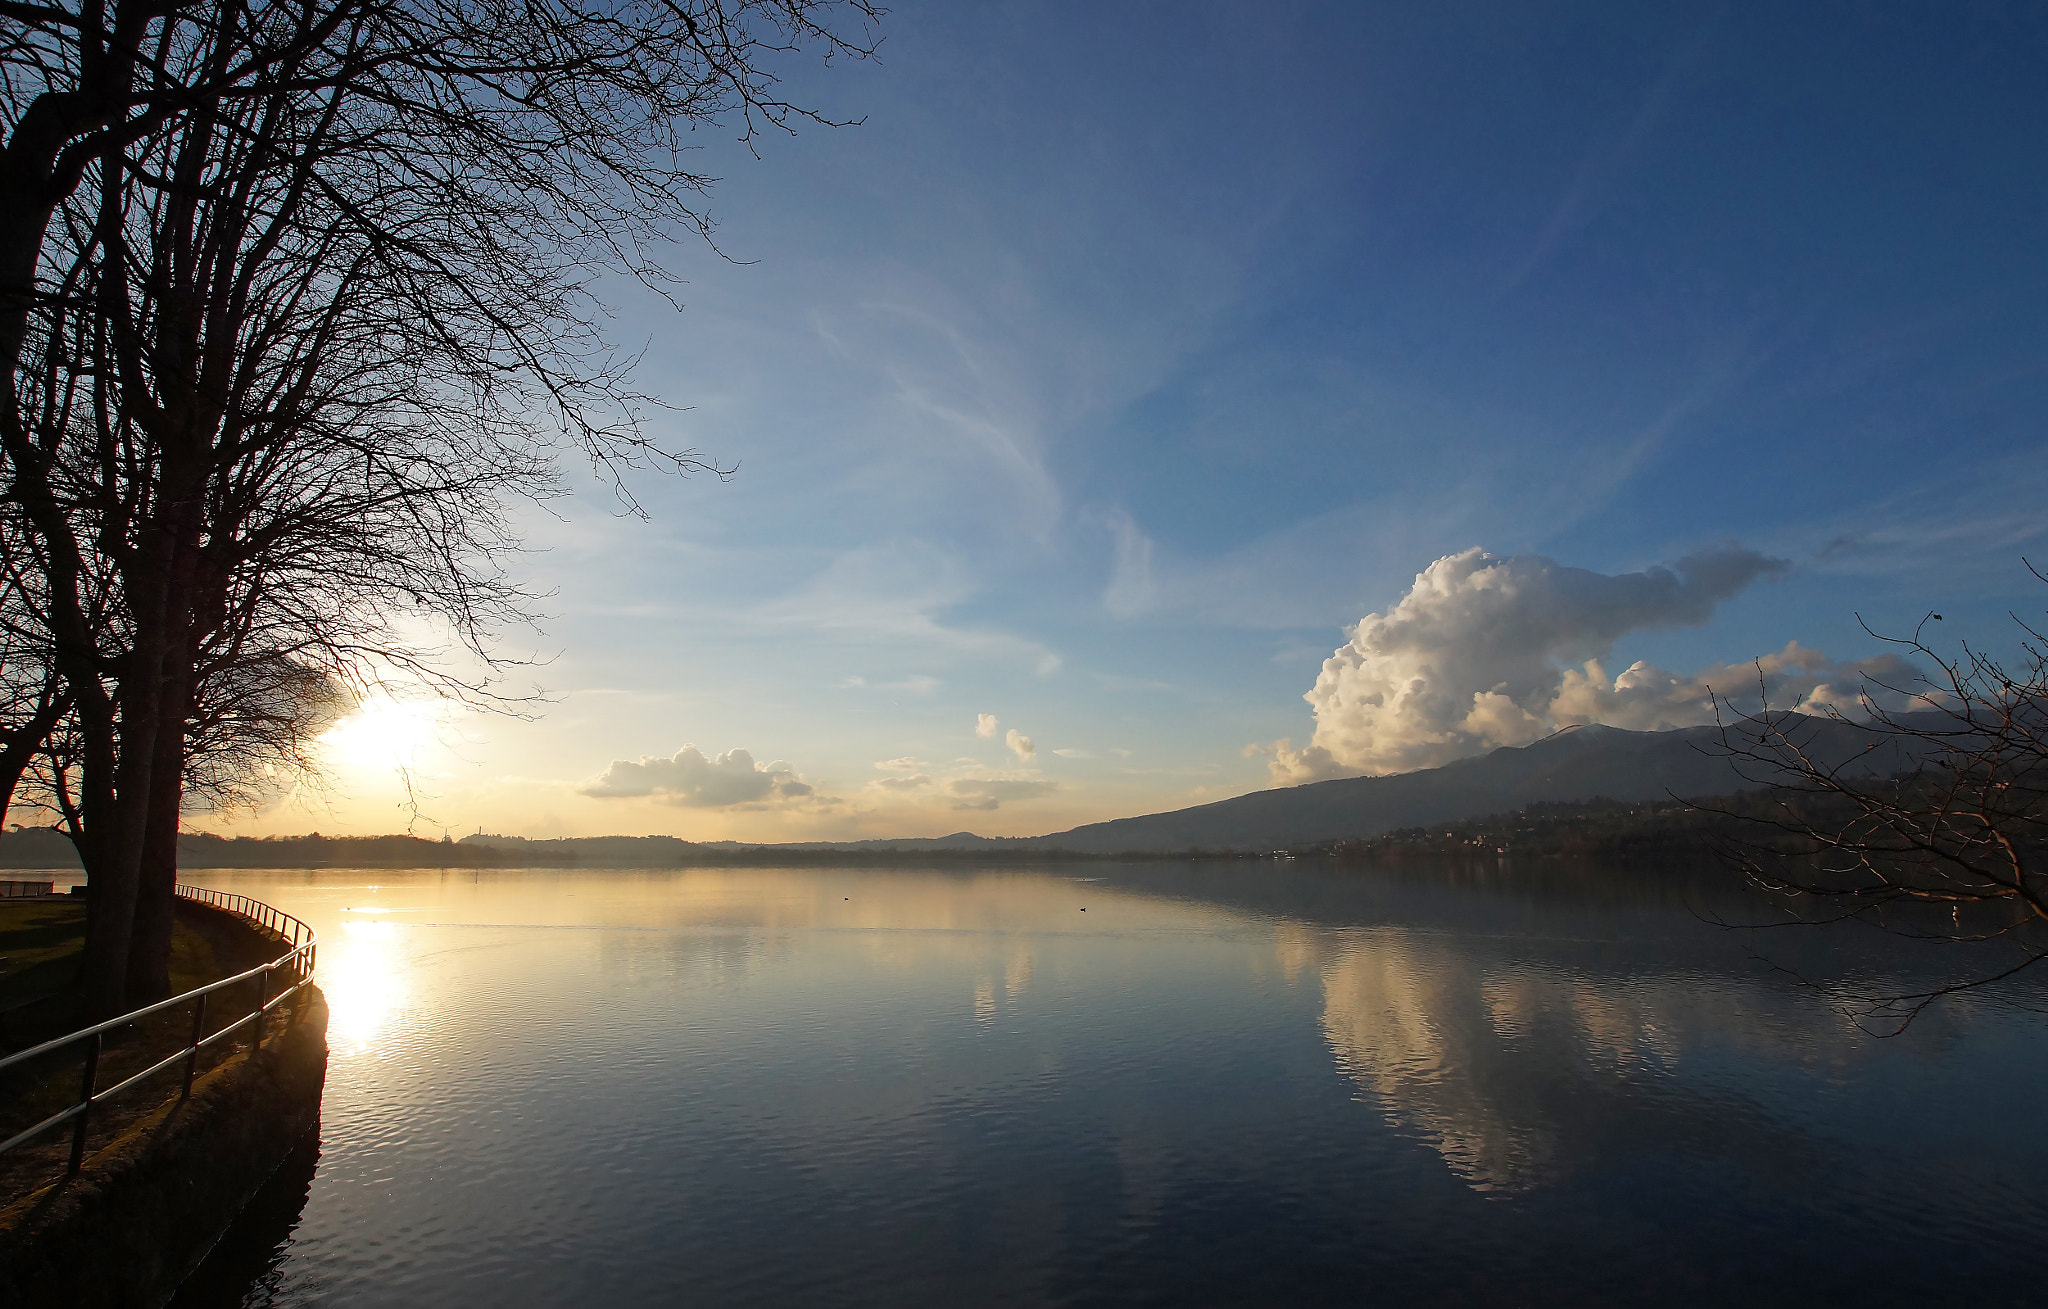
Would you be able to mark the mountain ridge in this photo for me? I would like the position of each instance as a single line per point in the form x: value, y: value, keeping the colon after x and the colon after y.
x: 1583, y: 762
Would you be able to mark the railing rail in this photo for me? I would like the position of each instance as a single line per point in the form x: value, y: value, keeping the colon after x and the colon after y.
x: 295, y: 963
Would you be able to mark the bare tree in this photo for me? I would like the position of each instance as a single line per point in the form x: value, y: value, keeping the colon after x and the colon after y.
x: 1937, y: 829
x: 33, y: 696
x: 307, y: 307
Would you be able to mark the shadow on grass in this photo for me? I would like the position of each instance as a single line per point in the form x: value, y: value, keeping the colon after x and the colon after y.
x: 43, y: 941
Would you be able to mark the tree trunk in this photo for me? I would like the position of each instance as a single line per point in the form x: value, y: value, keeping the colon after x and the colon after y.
x: 149, y: 950
x: 114, y: 869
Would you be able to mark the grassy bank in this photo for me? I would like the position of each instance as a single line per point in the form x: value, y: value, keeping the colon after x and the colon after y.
x: 41, y: 944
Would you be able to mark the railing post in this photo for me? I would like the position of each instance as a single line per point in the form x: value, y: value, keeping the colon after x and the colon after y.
x: 198, y: 1030
x: 87, y: 1083
x: 262, y: 1019
x: 303, y: 970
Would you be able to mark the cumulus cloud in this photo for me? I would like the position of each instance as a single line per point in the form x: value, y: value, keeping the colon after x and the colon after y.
x: 905, y: 764
x: 692, y: 780
x: 1485, y: 651
x: 1649, y: 699
x: 1021, y: 745
x: 984, y: 724
x: 991, y: 792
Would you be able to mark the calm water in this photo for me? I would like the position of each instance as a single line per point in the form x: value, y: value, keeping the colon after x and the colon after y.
x: 1128, y: 1085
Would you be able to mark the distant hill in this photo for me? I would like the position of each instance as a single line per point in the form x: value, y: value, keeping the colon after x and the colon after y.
x: 1579, y: 763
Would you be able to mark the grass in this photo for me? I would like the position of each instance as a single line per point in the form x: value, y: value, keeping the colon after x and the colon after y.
x: 41, y: 943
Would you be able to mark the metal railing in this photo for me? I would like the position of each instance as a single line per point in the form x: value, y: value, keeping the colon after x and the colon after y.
x: 296, y: 964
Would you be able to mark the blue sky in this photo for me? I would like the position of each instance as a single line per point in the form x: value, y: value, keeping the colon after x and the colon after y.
x: 1125, y: 356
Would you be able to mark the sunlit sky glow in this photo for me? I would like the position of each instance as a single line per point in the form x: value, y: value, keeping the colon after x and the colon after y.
x: 1126, y: 356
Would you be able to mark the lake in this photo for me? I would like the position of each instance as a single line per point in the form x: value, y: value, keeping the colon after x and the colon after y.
x: 1219, y: 1084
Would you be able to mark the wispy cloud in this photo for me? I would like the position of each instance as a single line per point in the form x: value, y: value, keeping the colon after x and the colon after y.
x: 900, y: 785
x: 893, y: 595
x: 1960, y: 530
x: 986, y: 793
x: 1132, y: 590
x: 1582, y: 200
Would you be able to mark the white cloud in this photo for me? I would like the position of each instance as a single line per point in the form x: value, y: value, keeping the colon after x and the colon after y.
x: 984, y: 724
x: 1649, y: 699
x: 991, y: 792
x: 694, y: 781
x: 905, y: 764
x: 1475, y: 656
x: 1071, y: 753
x: 1021, y: 746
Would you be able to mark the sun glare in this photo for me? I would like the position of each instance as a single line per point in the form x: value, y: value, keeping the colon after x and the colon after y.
x: 385, y: 734
x: 360, y: 974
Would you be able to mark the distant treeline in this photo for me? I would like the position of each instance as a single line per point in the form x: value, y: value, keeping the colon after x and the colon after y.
x: 42, y: 847
x: 1604, y: 830
x: 39, y: 847
x: 1708, y: 829
x: 48, y: 848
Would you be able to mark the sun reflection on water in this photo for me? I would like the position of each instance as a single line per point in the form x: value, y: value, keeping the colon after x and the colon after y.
x: 361, y: 976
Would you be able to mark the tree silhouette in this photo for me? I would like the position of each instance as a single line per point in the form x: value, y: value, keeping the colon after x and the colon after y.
x: 296, y: 303
x: 1945, y: 841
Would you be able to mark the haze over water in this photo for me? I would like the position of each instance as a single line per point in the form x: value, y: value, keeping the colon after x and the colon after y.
x: 1144, y: 1083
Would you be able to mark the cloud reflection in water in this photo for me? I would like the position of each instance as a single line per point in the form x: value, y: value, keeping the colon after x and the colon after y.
x: 1443, y: 1041
x: 1414, y: 1035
